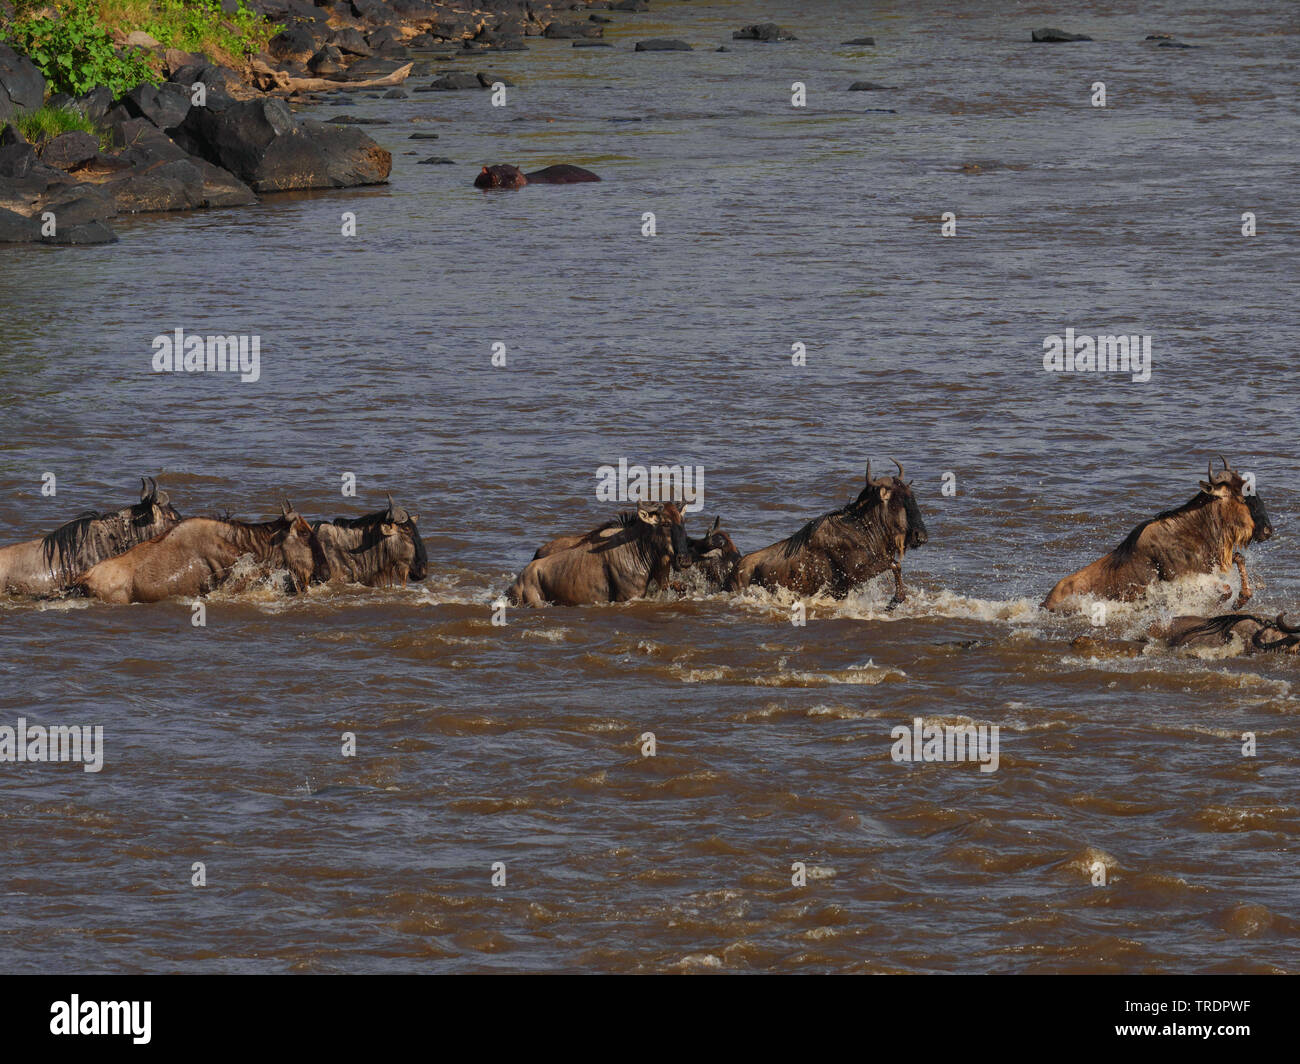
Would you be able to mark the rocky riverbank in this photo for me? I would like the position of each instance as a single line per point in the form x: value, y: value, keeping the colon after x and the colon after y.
x: 213, y: 135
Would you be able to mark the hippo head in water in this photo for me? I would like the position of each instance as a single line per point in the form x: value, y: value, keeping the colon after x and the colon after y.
x: 502, y: 176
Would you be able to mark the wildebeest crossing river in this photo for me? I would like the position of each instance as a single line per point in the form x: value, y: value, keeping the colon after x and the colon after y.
x: 523, y: 743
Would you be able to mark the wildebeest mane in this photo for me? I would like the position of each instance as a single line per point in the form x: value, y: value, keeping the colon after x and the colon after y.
x: 1222, y: 626
x: 69, y: 538
x: 1125, y: 551
x: 851, y: 512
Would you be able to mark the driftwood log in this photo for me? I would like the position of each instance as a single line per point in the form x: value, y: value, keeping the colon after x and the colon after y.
x: 268, y: 79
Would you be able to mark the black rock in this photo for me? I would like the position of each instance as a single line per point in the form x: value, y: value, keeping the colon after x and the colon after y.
x: 70, y: 150
x: 487, y: 79
x: 867, y: 86
x: 82, y: 204
x: 423, y: 136
x: 22, y: 85
x: 164, y: 105
x: 564, y: 31
x: 326, y: 61
x: 437, y: 160
x: 659, y: 44
x: 350, y: 40
x: 15, y: 229
x: 452, y: 83
x: 763, y: 31
x: 82, y: 235
x: 173, y: 185
x: 397, y: 94
x: 95, y: 104
x: 353, y: 120
x: 1176, y: 44
x: 630, y: 5
x: 294, y: 44
x: 861, y: 40
x: 1054, y: 36
x: 261, y: 143
x: 592, y: 44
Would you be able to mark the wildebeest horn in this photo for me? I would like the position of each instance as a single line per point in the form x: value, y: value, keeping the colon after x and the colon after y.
x: 716, y: 522
x: 1281, y: 623
x: 286, y: 509
x: 1227, y: 468
x: 396, y: 514
x: 900, y: 468
x: 144, y: 489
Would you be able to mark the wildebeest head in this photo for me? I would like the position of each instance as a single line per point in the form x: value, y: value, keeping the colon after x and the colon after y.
x: 898, y: 510
x: 500, y: 176
x: 714, y: 545
x: 299, y: 551
x: 669, y: 528
x: 1229, y: 484
x: 378, y: 549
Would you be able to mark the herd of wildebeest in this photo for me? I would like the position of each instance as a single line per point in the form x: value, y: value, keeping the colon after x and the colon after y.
x: 147, y: 552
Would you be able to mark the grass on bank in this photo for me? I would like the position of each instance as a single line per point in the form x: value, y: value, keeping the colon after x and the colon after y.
x: 43, y: 125
x: 72, y: 40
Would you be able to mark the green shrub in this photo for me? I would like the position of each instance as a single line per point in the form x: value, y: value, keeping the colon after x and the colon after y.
x: 75, y: 52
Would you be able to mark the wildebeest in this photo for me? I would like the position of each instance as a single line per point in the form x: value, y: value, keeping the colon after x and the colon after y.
x: 198, y: 555
x: 1258, y: 634
x: 52, y: 563
x: 379, y: 550
x: 1204, y: 535
x: 844, y: 548
x: 621, y: 560
x: 714, y: 556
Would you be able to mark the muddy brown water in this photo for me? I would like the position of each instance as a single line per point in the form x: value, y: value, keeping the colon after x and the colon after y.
x: 521, y: 744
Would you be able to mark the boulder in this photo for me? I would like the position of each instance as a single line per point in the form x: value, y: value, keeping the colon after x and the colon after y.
x: 22, y: 85
x: 169, y: 185
x: 861, y: 41
x: 567, y: 31
x: 763, y: 31
x: 261, y: 144
x: 140, y: 39
x: 81, y: 205
x: 1055, y: 36
x: 164, y: 105
x: 95, y: 104
x: 83, y: 235
x: 69, y: 151
x: 659, y: 44
x: 630, y: 5
x: 453, y: 82
x: 292, y: 45
x: 216, y: 80
x: 349, y: 40
x: 17, y: 229
x: 328, y: 60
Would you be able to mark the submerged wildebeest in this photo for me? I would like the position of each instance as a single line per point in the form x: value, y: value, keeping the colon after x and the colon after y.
x: 503, y: 175
x: 1204, y: 535
x: 844, y: 548
x: 1257, y: 634
x: 714, y: 556
x: 621, y: 560
x: 198, y: 555
x: 52, y: 563
x: 378, y: 550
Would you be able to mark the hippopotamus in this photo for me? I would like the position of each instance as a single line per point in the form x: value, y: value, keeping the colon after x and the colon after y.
x: 505, y: 176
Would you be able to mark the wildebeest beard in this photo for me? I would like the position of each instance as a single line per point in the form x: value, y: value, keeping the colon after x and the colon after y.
x: 93, y: 537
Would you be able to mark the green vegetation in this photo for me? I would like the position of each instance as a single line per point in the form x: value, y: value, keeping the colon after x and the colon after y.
x: 72, y: 40
x: 74, y: 50
x: 48, y: 122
